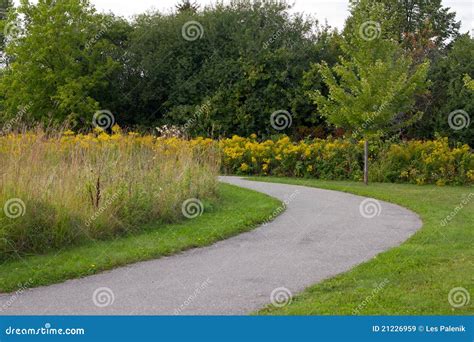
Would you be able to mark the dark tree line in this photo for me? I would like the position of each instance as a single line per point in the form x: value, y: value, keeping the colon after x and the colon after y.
x: 226, y: 67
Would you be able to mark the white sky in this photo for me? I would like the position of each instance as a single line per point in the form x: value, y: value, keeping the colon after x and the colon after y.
x: 334, y: 11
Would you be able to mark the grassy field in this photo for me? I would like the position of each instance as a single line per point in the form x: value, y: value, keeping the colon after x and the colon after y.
x: 414, y: 278
x: 60, y: 189
x: 236, y: 210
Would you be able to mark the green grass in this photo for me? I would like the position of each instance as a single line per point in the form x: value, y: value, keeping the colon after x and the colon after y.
x: 237, y: 210
x: 419, y: 274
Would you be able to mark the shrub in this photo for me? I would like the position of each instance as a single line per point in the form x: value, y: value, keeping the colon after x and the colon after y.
x: 416, y: 162
x: 421, y: 162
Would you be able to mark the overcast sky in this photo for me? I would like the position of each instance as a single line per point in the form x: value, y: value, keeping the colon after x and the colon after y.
x: 335, y: 11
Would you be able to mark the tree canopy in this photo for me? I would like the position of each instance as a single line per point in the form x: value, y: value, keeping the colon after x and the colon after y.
x: 59, y: 62
x: 373, y: 89
x: 226, y: 69
x: 449, y: 93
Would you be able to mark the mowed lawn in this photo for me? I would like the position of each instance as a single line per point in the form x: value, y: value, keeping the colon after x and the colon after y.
x: 235, y: 211
x: 414, y: 278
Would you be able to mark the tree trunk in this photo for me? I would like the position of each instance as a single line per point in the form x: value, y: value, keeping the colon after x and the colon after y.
x: 366, y: 161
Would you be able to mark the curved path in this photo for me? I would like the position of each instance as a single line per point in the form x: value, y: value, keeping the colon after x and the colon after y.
x: 322, y: 233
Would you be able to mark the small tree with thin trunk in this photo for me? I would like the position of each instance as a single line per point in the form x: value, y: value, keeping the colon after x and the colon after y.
x: 372, y: 89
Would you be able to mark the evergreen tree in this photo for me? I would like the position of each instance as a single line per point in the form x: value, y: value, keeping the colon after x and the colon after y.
x: 187, y: 6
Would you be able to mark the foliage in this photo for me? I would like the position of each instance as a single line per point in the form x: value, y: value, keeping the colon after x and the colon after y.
x: 247, y: 60
x: 411, y: 19
x: 5, y: 6
x: 59, y: 62
x: 186, y: 5
x: 449, y: 93
x: 425, y: 162
x: 417, y: 162
x: 373, y: 89
x: 248, y: 63
x: 74, y: 187
x: 469, y: 82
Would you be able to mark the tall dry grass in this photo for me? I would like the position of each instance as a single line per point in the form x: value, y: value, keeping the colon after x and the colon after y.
x: 59, y: 190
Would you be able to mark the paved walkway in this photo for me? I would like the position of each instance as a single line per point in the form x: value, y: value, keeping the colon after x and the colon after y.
x: 322, y: 233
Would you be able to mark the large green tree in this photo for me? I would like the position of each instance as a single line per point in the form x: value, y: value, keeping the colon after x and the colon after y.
x: 372, y: 91
x: 245, y: 62
x: 58, y: 62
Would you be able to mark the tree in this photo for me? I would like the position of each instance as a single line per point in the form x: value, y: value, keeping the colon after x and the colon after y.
x: 245, y: 62
x: 449, y: 94
x: 371, y: 92
x: 186, y: 6
x: 5, y: 6
x: 425, y: 29
x: 415, y: 20
x: 59, y: 62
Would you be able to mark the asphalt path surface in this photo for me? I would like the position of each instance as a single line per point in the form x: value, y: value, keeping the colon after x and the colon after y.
x: 320, y: 233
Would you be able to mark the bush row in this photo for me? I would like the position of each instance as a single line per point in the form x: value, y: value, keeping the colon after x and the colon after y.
x: 418, y: 162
